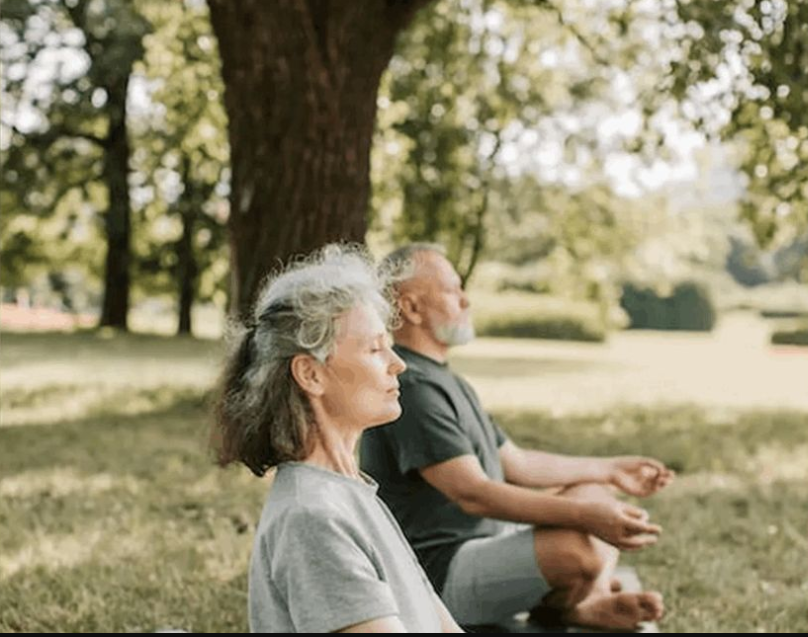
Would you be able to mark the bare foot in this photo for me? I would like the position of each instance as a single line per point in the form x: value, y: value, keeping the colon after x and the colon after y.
x: 621, y: 611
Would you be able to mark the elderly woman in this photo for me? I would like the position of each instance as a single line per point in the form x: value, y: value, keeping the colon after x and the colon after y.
x: 314, y: 370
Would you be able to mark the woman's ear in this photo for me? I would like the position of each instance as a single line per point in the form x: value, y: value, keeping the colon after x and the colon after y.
x: 308, y: 374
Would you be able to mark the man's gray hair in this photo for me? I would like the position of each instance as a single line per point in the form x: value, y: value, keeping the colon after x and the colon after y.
x: 262, y: 416
x: 399, y: 265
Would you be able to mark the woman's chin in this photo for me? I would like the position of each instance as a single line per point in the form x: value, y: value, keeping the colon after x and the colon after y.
x: 386, y: 418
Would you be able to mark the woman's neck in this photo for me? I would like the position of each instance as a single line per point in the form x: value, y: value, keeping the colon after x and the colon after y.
x: 334, y: 448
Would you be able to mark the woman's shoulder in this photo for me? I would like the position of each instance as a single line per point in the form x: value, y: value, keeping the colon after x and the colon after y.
x: 298, y: 515
x: 301, y: 492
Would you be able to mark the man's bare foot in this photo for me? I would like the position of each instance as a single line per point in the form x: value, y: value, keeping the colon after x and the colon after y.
x: 620, y: 611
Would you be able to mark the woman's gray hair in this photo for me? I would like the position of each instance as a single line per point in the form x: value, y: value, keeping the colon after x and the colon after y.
x: 263, y: 418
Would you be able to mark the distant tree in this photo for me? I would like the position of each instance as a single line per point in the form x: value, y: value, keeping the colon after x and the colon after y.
x: 181, y: 160
x: 475, y: 90
x: 751, y: 58
x: 68, y: 137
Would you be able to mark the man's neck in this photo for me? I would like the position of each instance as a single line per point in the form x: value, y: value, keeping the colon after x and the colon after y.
x: 423, y: 344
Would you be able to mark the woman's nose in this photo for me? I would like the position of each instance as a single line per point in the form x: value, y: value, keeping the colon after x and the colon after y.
x: 398, y: 365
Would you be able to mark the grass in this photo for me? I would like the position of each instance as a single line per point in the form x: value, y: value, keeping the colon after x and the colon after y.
x: 734, y: 550
x: 112, y: 517
x: 118, y: 522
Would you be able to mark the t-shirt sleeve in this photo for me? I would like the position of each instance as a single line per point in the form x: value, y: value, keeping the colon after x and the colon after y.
x: 327, y: 574
x: 501, y: 436
x: 428, y: 430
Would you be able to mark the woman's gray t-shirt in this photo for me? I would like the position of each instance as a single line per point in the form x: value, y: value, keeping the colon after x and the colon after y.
x: 329, y: 554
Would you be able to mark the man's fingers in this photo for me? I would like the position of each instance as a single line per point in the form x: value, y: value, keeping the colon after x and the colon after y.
x: 635, y: 512
x: 655, y: 465
x: 638, y: 527
x: 664, y: 481
x: 637, y: 542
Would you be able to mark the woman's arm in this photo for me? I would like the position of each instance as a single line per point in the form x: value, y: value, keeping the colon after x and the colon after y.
x: 391, y: 624
x: 447, y: 622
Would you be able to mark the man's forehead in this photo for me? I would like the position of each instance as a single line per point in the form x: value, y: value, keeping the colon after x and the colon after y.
x: 429, y: 263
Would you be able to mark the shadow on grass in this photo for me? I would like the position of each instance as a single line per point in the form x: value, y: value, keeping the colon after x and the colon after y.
x: 83, y: 400
x: 20, y: 349
x: 167, y: 423
x: 121, y: 522
x: 173, y: 587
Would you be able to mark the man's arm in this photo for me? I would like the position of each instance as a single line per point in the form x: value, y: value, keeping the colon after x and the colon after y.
x: 463, y: 481
x: 539, y: 469
x: 635, y: 475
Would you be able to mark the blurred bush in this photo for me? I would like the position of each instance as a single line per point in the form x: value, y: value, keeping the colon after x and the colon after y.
x: 690, y: 306
x: 791, y: 337
x: 521, y: 315
x: 796, y: 314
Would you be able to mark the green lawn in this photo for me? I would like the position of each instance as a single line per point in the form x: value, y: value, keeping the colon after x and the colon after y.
x: 112, y: 516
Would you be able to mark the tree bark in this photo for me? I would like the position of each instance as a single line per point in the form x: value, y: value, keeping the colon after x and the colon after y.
x: 118, y: 224
x: 301, y: 82
x: 186, y: 273
x: 190, y: 202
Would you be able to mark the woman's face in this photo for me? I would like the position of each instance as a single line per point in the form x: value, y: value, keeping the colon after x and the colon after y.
x: 361, y: 385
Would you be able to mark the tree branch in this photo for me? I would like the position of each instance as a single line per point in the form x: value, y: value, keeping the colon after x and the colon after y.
x: 576, y: 33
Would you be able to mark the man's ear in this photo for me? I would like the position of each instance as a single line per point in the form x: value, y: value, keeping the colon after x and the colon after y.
x: 308, y: 374
x: 410, y: 307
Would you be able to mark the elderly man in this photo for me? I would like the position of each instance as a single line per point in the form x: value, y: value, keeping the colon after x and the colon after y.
x: 475, y: 506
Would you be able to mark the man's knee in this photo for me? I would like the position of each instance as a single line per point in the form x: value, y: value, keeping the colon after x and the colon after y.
x: 584, y: 560
x: 569, y: 560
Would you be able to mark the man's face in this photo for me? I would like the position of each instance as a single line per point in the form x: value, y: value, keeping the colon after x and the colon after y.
x: 443, y: 303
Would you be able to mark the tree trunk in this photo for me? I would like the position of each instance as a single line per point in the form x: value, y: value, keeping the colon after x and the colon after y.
x: 189, y: 204
x: 301, y: 83
x: 186, y: 273
x: 115, y: 308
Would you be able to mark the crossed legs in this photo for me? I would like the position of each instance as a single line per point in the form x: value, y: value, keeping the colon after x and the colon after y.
x: 565, y: 574
x: 579, y: 569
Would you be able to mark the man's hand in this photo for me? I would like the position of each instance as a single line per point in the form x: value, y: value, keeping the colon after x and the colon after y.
x: 620, y: 524
x: 638, y: 476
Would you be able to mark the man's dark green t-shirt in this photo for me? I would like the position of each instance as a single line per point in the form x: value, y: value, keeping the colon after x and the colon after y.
x: 441, y: 419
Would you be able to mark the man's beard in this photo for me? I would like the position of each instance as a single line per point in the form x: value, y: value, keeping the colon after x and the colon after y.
x: 458, y: 334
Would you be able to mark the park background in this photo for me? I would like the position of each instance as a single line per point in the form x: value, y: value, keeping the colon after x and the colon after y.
x: 622, y: 185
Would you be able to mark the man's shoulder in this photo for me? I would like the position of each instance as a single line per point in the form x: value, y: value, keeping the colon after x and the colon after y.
x: 415, y: 374
x: 421, y: 370
x: 423, y: 385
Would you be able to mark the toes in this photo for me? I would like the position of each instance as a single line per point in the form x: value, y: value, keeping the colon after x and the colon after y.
x: 651, y: 606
